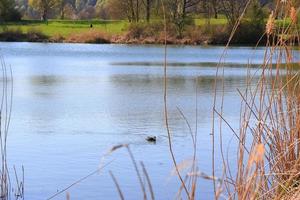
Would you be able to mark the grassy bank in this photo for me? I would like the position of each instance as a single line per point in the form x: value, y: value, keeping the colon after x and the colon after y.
x: 199, y: 31
x: 107, y: 31
x: 66, y: 27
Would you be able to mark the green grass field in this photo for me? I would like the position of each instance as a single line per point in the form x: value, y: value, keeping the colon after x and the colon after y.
x: 67, y: 27
x: 203, y: 21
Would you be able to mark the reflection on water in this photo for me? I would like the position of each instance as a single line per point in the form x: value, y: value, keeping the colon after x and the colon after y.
x: 71, y: 104
x: 45, y: 80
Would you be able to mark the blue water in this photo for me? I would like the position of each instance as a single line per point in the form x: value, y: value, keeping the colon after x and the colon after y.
x: 73, y: 102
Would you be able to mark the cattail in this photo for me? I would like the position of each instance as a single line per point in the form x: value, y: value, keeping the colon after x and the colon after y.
x: 68, y: 196
x: 270, y: 24
x: 257, y: 155
x: 293, y: 15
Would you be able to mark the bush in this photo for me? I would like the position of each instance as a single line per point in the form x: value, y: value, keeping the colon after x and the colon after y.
x: 220, y: 35
x: 8, y: 11
x: 180, y: 25
x: 17, y: 35
x: 144, y: 30
x: 12, y: 35
x: 89, y: 37
x: 87, y: 13
x: 248, y: 33
x: 195, y: 34
x: 250, y: 30
x: 13, y: 15
x: 35, y: 35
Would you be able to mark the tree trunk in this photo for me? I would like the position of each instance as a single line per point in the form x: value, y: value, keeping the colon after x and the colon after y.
x: 132, y: 10
x: 215, y: 8
x: 184, y: 9
x: 137, y: 11
x: 45, y: 14
x: 148, y: 11
x: 62, y: 15
x: 62, y: 9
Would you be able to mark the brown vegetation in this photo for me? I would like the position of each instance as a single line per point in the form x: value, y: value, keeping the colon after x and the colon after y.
x: 89, y: 37
x: 17, y: 35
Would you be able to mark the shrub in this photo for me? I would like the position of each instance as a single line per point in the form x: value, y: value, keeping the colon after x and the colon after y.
x: 89, y: 37
x: 181, y: 24
x: 145, y: 30
x: 87, y: 13
x: 194, y: 34
x: 8, y: 11
x: 220, y: 35
x: 12, y: 35
x: 13, y: 15
x: 17, y: 35
x: 35, y: 35
x: 57, y: 38
x: 253, y: 26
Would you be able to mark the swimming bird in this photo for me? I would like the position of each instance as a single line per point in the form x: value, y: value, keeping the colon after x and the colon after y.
x: 151, y: 138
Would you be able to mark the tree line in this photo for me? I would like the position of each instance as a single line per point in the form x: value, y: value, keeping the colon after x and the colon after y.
x: 179, y: 13
x: 132, y: 10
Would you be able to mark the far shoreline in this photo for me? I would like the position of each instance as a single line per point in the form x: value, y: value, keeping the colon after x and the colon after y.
x: 176, y: 42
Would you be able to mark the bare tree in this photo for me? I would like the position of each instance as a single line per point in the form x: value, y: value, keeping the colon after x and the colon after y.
x: 62, y: 8
x: 148, y: 10
x: 120, y: 9
x: 232, y: 9
x: 43, y: 6
x: 137, y: 8
x: 131, y: 8
x: 179, y: 9
x: 215, y: 8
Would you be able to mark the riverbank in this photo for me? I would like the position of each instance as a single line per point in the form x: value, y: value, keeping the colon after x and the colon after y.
x: 98, y: 37
x: 114, y: 31
x: 200, y: 32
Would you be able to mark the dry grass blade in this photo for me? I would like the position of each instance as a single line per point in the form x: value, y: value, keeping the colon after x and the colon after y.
x: 270, y: 115
x: 117, y: 185
x: 148, y: 181
x: 137, y: 172
x: 166, y: 105
x: 5, y: 118
x: 68, y: 197
x: 79, y: 181
x: 102, y: 166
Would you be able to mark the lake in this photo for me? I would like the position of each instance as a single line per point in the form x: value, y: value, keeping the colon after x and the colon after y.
x: 73, y: 102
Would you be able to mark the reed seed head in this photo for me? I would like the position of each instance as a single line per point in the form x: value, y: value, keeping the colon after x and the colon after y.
x: 293, y: 15
x: 257, y: 155
x: 283, y: 1
x: 270, y: 24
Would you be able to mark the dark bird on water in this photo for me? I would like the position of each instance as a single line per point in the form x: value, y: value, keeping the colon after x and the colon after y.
x: 151, y: 138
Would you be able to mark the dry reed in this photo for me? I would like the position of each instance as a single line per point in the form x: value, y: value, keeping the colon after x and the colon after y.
x: 6, y: 188
x: 270, y: 120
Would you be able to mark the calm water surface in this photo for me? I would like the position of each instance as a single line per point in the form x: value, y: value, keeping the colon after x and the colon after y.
x: 72, y: 102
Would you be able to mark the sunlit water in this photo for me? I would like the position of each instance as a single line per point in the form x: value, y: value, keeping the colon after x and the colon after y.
x: 72, y: 102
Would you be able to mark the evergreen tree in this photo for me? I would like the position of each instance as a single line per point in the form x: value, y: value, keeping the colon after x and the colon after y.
x: 8, y: 12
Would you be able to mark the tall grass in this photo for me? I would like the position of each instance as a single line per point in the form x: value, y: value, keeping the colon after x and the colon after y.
x: 7, y: 191
x: 268, y: 154
x: 268, y: 161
